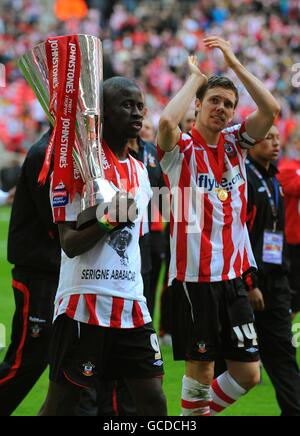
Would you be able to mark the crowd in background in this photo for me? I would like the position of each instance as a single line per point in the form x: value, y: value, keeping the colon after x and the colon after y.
x: 150, y: 41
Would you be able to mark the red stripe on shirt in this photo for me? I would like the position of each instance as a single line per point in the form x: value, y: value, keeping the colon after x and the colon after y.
x: 206, y: 245
x: 137, y: 315
x: 181, y: 242
x: 243, y: 215
x: 228, y: 247
x: 237, y: 266
x: 72, y: 306
x: 116, y: 314
x: 91, y: 306
x: 246, y: 263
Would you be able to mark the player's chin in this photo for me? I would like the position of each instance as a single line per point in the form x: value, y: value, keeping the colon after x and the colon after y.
x: 133, y: 133
x: 275, y: 156
x: 217, y: 125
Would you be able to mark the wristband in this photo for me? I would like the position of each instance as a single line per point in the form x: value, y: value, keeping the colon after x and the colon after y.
x: 250, y: 285
x: 106, y: 224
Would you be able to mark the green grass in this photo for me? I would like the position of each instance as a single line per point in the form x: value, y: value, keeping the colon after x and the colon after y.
x: 259, y: 402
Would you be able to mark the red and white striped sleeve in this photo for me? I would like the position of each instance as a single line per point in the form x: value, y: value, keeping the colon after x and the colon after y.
x: 172, y: 159
x: 244, y: 140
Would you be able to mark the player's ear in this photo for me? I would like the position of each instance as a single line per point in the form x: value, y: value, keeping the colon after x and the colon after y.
x: 198, y: 105
x: 231, y: 118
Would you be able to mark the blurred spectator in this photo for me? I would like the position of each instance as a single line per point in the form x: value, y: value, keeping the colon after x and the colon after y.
x: 188, y: 121
x: 9, y: 175
x: 148, y: 132
x: 150, y: 41
x: 290, y: 180
x: 7, y: 198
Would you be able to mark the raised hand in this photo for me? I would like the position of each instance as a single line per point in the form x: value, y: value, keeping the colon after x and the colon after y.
x: 194, y: 67
x: 216, y: 42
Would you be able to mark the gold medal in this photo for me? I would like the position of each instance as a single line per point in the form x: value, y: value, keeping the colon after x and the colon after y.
x: 222, y: 194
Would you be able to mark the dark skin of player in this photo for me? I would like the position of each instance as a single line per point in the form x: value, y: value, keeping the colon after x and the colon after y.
x: 123, y: 116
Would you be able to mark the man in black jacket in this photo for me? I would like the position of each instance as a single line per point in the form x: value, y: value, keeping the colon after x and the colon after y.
x: 34, y: 250
x: 269, y: 291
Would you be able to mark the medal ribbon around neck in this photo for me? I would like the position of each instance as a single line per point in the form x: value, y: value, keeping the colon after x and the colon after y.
x: 216, y: 166
x: 128, y: 184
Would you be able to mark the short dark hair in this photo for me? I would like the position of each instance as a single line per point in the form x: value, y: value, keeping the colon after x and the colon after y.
x: 220, y: 82
x: 114, y: 84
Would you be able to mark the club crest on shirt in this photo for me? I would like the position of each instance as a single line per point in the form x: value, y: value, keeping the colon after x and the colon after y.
x: 201, y: 347
x: 35, y: 331
x: 230, y: 150
x: 88, y: 369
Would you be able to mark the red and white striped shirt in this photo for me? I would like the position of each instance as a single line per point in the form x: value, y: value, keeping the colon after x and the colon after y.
x: 104, y: 286
x: 217, y: 247
x: 104, y: 311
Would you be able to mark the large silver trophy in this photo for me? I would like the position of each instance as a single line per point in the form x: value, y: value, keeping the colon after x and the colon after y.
x: 87, y: 149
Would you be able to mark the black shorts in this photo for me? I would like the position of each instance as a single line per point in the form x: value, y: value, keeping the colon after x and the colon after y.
x: 86, y: 354
x: 212, y: 321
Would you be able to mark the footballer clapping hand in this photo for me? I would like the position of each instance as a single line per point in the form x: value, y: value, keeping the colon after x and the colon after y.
x: 225, y: 46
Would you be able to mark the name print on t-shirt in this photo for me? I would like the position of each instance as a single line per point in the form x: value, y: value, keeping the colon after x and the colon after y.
x: 107, y: 274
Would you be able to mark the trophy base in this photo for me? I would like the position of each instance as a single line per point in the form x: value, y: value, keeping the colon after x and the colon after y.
x: 96, y: 192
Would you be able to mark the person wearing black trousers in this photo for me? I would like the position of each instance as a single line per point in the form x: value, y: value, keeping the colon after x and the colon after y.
x: 34, y: 251
x: 269, y: 291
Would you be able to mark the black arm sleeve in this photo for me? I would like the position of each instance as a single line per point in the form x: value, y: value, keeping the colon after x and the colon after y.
x: 40, y: 194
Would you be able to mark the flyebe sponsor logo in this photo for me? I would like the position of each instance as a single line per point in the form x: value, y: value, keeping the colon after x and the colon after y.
x: 210, y: 184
